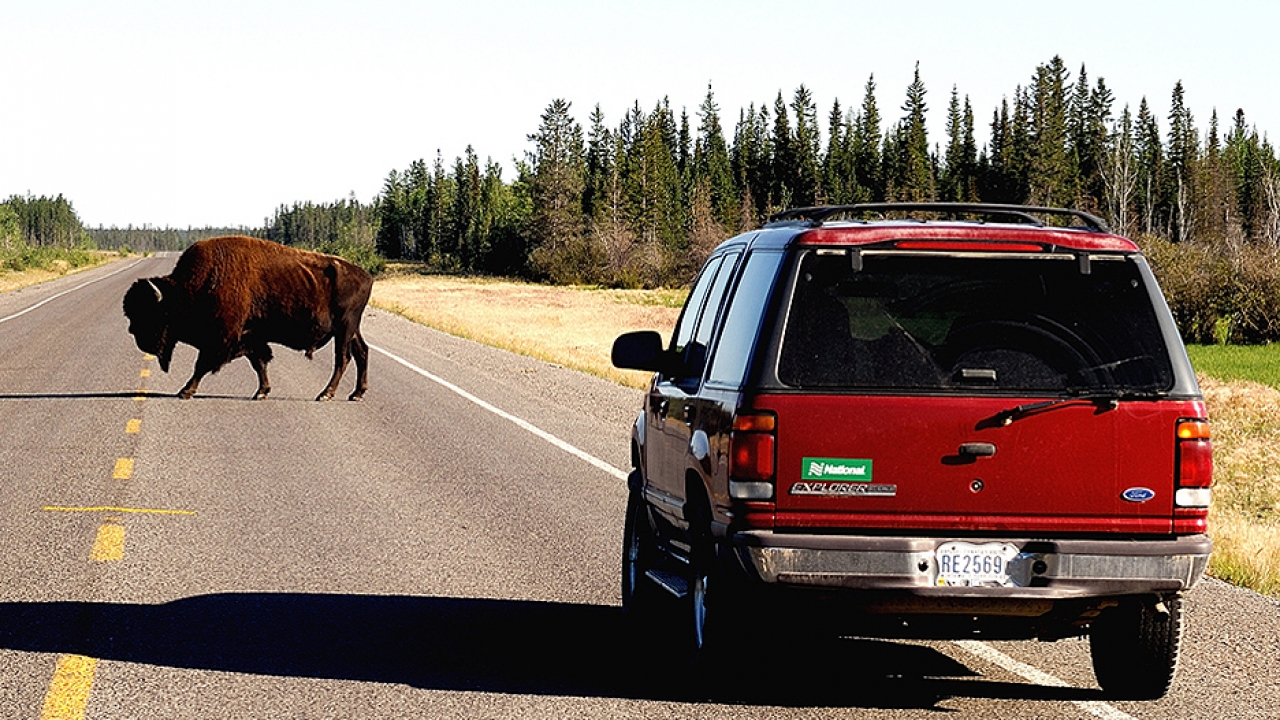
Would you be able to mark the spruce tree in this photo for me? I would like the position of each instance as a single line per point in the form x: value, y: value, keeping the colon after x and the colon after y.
x: 1183, y: 148
x: 393, y: 219
x: 912, y: 172
x: 958, y: 181
x: 784, y: 169
x: 865, y: 147
x: 1244, y: 157
x: 712, y: 164
x: 558, y: 166
x: 466, y: 217
x: 838, y: 173
x: 1052, y: 172
x: 806, y: 144
x: 1149, y: 153
x: 598, y: 167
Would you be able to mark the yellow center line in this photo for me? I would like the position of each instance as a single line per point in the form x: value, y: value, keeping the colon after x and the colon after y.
x: 109, y: 545
x: 69, y: 690
x: 145, y: 373
x: 134, y: 426
x: 123, y: 469
x: 108, y: 508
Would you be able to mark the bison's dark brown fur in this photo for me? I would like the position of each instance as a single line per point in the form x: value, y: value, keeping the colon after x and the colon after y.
x: 230, y: 296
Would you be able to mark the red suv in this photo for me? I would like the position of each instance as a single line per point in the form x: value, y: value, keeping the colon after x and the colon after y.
x: 923, y: 420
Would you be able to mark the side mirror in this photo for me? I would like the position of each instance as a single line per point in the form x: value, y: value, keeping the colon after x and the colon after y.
x: 641, y: 350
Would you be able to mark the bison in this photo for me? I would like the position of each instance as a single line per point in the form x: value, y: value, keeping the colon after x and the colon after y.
x: 230, y: 296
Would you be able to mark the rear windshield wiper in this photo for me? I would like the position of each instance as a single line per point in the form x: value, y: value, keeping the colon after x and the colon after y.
x: 1108, y: 399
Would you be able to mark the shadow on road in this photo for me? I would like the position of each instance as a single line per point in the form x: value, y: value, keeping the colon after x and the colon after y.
x: 143, y: 394
x: 502, y: 646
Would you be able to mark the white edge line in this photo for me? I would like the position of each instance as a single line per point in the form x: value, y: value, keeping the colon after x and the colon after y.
x: 580, y: 454
x: 992, y: 655
x: 51, y: 298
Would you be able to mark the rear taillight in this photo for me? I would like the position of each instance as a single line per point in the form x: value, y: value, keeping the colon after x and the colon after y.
x: 1194, y: 475
x: 752, y: 452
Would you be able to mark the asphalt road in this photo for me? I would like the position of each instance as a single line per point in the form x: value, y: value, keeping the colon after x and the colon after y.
x: 446, y: 548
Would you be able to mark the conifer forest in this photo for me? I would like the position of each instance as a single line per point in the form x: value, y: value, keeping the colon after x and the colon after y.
x: 640, y: 200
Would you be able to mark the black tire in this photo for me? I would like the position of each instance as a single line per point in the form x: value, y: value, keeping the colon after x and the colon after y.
x: 639, y: 553
x: 1135, y: 647
x: 713, y: 602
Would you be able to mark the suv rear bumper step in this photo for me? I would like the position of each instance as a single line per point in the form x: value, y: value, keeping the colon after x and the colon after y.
x: 1045, y: 569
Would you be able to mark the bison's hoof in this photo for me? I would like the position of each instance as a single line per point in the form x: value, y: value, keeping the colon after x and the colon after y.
x: 356, y: 397
x: 324, y: 397
x: 185, y: 395
x: 259, y: 395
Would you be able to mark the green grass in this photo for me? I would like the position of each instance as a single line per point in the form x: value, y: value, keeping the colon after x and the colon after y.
x: 1259, y: 363
x: 24, y: 257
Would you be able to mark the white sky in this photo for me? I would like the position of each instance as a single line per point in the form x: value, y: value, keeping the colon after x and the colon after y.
x: 181, y: 113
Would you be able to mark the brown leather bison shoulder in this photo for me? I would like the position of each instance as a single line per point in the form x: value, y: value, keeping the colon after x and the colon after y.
x: 231, y: 296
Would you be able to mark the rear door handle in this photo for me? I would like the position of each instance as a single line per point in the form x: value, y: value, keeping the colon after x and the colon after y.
x: 978, y: 449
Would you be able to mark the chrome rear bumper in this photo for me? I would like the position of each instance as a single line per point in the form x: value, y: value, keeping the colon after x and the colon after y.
x: 1043, y: 569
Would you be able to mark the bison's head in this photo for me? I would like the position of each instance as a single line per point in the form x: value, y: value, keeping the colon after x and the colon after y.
x: 148, y: 304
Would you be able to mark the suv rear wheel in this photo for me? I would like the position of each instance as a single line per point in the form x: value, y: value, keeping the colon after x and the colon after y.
x: 1135, y: 647
x: 639, y: 555
x: 715, y: 596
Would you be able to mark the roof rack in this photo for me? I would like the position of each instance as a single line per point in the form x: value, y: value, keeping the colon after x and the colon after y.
x: 817, y: 215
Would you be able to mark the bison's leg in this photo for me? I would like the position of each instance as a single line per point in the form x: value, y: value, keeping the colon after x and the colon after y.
x: 360, y: 352
x: 205, y: 364
x: 341, y: 354
x: 264, y: 385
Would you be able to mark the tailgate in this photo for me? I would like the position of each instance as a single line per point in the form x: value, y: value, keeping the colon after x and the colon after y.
x: 953, y: 464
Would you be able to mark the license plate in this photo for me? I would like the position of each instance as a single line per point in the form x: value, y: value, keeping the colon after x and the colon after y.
x: 974, y: 564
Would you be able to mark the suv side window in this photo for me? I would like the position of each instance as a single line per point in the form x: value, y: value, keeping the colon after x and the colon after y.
x: 742, y: 319
x: 711, y: 288
x: 693, y: 306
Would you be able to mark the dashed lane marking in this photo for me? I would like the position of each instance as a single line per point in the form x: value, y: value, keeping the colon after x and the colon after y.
x: 123, y: 469
x: 73, y: 675
x: 69, y: 690
x: 109, y: 545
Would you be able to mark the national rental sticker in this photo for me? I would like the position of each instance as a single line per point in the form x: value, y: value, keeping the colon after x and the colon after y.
x: 846, y: 469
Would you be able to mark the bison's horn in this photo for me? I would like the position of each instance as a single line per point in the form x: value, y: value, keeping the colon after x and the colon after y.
x: 159, y: 297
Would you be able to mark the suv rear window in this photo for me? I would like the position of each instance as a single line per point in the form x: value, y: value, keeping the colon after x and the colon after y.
x: 1001, y: 324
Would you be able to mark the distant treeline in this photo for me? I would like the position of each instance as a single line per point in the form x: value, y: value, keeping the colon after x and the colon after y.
x: 27, y: 221
x: 641, y: 202
x: 41, y: 232
x: 151, y: 239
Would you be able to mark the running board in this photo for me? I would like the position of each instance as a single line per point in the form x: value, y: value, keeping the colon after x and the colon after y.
x: 673, y: 583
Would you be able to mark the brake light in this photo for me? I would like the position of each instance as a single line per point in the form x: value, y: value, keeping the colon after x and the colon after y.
x: 1194, y: 475
x: 752, y: 452
x: 968, y: 246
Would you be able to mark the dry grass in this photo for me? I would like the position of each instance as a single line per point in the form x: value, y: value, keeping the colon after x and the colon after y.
x: 569, y: 326
x: 13, y: 280
x: 16, y: 279
x: 575, y: 327
x: 1245, y: 518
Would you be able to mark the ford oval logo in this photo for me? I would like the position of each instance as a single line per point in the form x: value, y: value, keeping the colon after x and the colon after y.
x: 1138, y: 494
